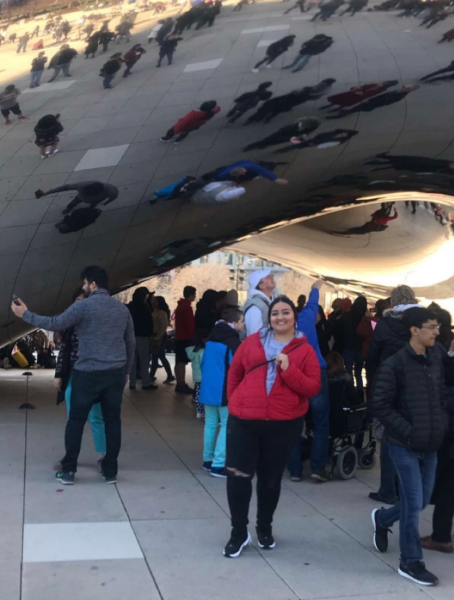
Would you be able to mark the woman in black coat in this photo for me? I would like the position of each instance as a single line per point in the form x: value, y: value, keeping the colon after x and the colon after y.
x: 249, y: 100
x: 274, y: 50
x: 110, y: 69
x: 92, y: 47
x: 301, y: 127
x: 206, y: 313
x: 322, y: 140
x: 285, y: 103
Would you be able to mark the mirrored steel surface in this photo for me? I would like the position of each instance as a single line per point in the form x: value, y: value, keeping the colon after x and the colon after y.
x: 363, y: 129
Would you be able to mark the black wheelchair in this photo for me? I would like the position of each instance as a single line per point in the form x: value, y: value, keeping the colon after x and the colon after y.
x: 351, y: 440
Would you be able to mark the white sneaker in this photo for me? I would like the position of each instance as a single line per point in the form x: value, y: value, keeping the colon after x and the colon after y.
x: 255, y: 70
x: 268, y: 66
x: 56, y: 151
x: 200, y: 415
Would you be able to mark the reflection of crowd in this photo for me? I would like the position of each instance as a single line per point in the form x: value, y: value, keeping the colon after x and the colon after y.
x: 363, y: 98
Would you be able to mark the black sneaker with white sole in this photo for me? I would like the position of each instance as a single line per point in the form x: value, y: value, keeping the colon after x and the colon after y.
x: 265, y: 538
x: 320, y: 475
x: 380, y: 533
x: 418, y: 573
x: 66, y: 478
x: 108, y: 478
x: 236, y: 544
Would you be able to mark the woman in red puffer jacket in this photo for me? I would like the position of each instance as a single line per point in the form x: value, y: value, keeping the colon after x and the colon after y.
x: 271, y: 377
x: 192, y: 121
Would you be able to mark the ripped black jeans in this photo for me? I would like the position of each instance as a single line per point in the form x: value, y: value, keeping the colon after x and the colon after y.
x: 261, y: 447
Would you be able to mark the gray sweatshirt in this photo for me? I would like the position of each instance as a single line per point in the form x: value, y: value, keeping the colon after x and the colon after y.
x: 9, y: 99
x: 104, y: 327
x: 109, y: 193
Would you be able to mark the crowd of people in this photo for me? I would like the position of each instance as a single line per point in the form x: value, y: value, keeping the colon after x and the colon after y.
x: 259, y: 370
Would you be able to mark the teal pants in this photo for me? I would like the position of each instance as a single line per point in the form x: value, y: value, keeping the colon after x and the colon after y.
x: 95, y: 418
x: 214, y: 450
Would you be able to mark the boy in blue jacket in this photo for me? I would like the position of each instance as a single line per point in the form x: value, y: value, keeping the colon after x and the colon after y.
x: 319, y: 404
x: 223, y: 342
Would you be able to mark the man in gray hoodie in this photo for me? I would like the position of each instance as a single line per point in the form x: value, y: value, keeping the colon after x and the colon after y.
x: 88, y: 192
x: 106, y: 349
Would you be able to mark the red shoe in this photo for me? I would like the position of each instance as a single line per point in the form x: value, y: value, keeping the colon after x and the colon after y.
x: 22, y: 118
x: 7, y: 122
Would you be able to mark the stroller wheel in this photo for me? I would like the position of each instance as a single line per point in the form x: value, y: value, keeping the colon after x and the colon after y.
x: 346, y: 463
x: 367, y: 459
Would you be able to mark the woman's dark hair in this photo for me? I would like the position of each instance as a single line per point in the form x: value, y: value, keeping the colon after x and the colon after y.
x: 288, y: 39
x: 380, y: 307
x: 359, y: 309
x: 95, y: 274
x: 10, y: 88
x: 265, y: 95
x: 78, y: 292
x: 140, y: 295
x: 334, y: 363
x: 209, y: 297
x: 446, y: 335
x: 162, y: 305
x: 47, y: 122
x: 285, y: 300
x: 208, y: 108
x: 117, y: 55
x: 201, y: 336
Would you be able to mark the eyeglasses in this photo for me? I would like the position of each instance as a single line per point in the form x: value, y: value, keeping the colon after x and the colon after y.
x: 431, y: 327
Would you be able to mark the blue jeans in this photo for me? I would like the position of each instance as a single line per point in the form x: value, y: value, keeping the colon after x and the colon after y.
x: 214, y: 450
x: 387, y: 491
x: 35, y: 77
x: 416, y: 473
x: 108, y: 80
x: 355, y: 360
x: 58, y: 68
x: 319, y: 405
x: 300, y: 62
x: 95, y: 419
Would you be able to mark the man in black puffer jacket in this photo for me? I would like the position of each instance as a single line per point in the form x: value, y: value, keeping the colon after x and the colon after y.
x: 390, y: 335
x: 410, y: 400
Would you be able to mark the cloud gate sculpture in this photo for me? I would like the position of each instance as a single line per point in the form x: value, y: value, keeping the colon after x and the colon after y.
x: 340, y: 166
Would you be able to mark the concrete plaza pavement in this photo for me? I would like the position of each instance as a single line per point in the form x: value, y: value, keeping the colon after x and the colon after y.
x: 160, y: 531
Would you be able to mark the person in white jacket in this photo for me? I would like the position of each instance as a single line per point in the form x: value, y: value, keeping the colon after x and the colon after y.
x: 218, y: 191
x: 262, y: 291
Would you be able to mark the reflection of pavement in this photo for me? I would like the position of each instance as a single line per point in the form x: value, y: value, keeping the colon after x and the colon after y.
x: 113, y: 136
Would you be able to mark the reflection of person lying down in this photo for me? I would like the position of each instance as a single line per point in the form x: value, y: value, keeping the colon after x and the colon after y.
x: 88, y: 192
x: 218, y: 192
